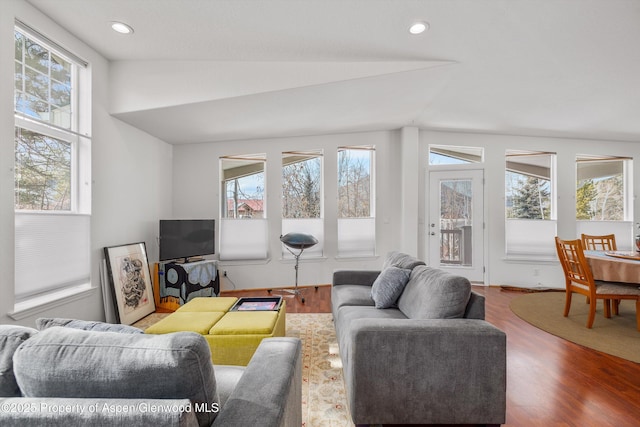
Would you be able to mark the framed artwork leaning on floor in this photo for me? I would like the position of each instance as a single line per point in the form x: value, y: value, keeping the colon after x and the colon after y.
x: 130, y: 278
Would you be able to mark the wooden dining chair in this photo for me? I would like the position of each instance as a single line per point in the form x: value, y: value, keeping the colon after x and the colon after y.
x: 605, y: 242
x: 578, y: 279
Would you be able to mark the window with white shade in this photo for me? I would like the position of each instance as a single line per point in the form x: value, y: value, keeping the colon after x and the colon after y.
x: 243, y: 225
x: 52, y: 168
x: 530, y: 203
x: 302, y: 208
x: 356, y: 209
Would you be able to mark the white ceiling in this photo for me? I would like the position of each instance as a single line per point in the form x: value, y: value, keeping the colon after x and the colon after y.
x: 568, y: 68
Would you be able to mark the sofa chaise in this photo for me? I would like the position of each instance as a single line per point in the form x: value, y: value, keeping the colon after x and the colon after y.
x: 415, y: 347
x: 115, y: 375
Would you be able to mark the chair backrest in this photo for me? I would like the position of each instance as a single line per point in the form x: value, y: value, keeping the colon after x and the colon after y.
x: 605, y: 242
x: 576, y: 268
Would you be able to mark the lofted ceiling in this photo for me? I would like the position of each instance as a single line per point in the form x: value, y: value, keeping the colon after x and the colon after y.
x: 271, y: 68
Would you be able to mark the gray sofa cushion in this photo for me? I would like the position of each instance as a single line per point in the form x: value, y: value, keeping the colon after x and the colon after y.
x: 434, y: 294
x: 68, y: 362
x: 344, y: 295
x: 87, y: 325
x: 401, y: 260
x: 10, y: 339
x: 388, y: 286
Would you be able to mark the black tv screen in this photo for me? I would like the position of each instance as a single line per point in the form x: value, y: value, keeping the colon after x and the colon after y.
x: 184, y: 238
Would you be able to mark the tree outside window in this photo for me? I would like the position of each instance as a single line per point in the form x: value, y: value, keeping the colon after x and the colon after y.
x: 42, y: 172
x: 301, y: 185
x: 354, y: 182
x: 529, y: 198
x: 600, y: 192
x: 43, y: 82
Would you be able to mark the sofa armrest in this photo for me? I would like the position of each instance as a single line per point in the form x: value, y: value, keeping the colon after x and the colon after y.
x: 450, y: 371
x: 269, y: 392
x: 355, y: 277
x: 69, y: 411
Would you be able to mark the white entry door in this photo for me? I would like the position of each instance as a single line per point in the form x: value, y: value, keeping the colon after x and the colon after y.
x: 456, y: 222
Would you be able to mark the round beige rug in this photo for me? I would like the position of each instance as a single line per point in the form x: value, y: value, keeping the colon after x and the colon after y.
x: 617, y: 336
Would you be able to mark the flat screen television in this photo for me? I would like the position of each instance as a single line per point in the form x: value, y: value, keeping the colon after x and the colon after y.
x: 185, y: 238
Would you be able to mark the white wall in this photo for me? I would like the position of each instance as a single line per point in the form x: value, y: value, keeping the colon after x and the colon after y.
x: 502, y: 271
x: 131, y: 171
x: 197, y: 194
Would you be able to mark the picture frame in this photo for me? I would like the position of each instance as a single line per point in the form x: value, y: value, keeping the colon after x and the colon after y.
x: 130, y: 278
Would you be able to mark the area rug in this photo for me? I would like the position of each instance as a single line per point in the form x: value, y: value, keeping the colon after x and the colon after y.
x: 617, y: 336
x: 323, y: 393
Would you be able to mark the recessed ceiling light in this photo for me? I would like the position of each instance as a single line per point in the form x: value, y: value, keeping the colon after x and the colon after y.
x: 121, y: 27
x: 418, y: 27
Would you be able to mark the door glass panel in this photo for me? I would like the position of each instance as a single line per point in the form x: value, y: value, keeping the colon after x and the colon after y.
x: 456, y: 211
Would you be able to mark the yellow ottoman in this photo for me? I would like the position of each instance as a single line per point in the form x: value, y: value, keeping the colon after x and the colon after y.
x: 200, y: 322
x: 208, y: 304
x: 233, y: 336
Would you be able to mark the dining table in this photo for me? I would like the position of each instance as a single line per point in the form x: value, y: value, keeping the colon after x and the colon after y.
x: 615, y: 266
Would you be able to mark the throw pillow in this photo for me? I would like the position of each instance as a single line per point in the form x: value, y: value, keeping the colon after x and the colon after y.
x: 388, y: 286
x: 434, y: 294
x: 68, y: 362
x: 10, y: 339
x: 87, y: 325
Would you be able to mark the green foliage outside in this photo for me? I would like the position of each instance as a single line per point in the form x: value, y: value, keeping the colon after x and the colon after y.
x: 585, y: 195
x: 601, y: 199
x: 530, y: 200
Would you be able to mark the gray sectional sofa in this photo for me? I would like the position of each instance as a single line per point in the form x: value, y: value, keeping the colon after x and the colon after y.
x: 118, y: 376
x: 415, y: 347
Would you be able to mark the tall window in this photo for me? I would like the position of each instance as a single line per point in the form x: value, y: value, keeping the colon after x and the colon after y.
x: 243, y: 228
x: 52, y: 169
x: 530, y: 207
x: 302, y: 209
x: 356, y: 210
x: 603, y: 190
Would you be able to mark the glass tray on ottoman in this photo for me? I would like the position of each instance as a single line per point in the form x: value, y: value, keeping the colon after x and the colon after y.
x: 257, y: 304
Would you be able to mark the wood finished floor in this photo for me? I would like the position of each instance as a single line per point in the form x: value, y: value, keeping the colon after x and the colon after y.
x: 550, y: 381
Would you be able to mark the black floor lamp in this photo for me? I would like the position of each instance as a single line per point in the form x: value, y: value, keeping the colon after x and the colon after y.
x: 300, y: 242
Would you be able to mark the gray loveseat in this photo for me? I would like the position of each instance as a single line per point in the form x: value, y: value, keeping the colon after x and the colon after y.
x: 428, y: 357
x: 69, y: 376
